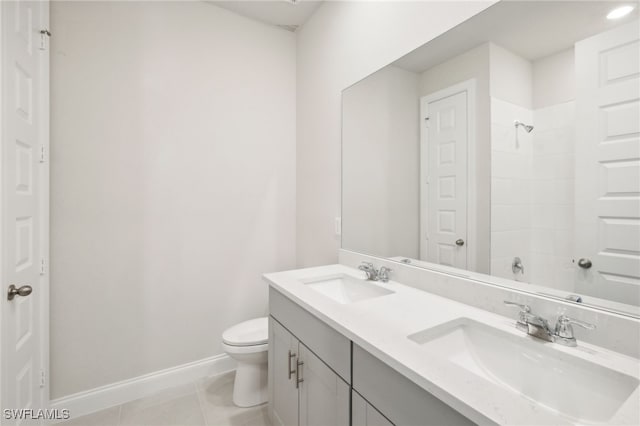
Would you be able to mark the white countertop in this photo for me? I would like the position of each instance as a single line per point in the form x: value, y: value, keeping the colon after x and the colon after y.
x: 381, y: 326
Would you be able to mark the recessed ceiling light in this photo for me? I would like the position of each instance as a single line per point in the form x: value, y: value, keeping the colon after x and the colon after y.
x: 619, y: 12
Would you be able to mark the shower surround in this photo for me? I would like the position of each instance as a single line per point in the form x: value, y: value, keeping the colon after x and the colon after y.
x: 533, y: 193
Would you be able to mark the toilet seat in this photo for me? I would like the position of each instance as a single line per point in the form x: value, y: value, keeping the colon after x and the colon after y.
x: 240, y: 350
x: 250, y: 333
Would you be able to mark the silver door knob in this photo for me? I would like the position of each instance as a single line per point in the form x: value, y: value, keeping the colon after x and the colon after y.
x: 460, y: 242
x: 584, y: 263
x: 14, y: 291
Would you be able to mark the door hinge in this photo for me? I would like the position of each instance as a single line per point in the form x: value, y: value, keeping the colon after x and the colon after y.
x: 42, y: 154
x: 43, y: 378
x: 44, y: 35
x: 42, y: 270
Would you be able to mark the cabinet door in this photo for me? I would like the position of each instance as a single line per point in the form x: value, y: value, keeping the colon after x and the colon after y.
x: 283, y: 395
x: 364, y: 414
x: 324, y: 396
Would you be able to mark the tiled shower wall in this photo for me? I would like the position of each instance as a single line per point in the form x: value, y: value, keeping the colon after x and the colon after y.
x: 511, y: 154
x: 552, y: 193
x: 532, y: 193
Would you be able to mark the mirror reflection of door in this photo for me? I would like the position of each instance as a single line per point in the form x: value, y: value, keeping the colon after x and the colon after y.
x: 607, y: 213
x: 444, y: 140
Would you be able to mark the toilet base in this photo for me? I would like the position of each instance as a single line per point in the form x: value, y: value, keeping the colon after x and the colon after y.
x: 250, y: 387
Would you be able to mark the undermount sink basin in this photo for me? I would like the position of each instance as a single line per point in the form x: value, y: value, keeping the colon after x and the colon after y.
x: 346, y: 289
x: 566, y: 384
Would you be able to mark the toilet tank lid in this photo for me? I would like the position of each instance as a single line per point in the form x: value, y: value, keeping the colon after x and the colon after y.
x: 248, y: 333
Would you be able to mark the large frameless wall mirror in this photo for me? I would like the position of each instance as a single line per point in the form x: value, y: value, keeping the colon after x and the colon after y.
x: 509, y: 146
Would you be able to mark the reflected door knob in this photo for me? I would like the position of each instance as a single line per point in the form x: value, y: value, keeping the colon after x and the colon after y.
x: 14, y: 291
x: 584, y: 263
x: 459, y: 242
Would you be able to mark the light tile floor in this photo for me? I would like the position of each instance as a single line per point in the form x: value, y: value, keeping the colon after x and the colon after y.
x: 204, y: 403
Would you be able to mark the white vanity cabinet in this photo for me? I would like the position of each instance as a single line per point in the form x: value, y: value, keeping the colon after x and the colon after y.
x: 305, y: 389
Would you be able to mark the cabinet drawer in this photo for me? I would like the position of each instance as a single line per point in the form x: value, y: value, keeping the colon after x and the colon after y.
x: 398, y: 398
x: 332, y: 347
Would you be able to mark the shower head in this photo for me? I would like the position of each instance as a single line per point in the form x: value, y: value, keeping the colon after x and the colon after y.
x: 527, y: 127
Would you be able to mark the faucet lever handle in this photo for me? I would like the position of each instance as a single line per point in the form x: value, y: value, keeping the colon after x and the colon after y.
x: 384, y: 273
x: 522, y: 323
x: 564, y: 320
x: 564, y: 331
x: 523, y: 308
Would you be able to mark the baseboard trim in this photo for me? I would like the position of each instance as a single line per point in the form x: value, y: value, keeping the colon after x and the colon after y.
x: 90, y: 401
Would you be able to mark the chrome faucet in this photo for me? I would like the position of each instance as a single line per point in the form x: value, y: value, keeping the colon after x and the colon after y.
x: 370, y: 270
x: 374, y: 274
x: 532, y: 324
x: 537, y: 326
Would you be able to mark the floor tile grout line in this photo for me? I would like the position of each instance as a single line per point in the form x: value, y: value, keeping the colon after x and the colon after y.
x: 202, y: 411
x: 120, y: 415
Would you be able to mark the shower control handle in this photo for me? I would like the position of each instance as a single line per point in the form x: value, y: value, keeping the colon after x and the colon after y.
x: 585, y: 263
x: 517, y: 266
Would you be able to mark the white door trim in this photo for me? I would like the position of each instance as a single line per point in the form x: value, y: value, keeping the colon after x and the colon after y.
x: 43, y: 106
x: 468, y: 86
x: 2, y: 248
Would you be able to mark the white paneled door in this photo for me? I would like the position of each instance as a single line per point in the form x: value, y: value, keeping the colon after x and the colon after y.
x: 607, y: 225
x: 444, y: 180
x: 24, y: 208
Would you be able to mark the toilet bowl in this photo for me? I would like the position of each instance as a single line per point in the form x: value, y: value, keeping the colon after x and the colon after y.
x: 247, y: 344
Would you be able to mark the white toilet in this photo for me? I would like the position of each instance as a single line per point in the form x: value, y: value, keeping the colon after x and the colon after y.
x: 247, y: 344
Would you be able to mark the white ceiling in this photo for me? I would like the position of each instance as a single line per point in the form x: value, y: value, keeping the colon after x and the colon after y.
x: 286, y: 14
x: 532, y: 30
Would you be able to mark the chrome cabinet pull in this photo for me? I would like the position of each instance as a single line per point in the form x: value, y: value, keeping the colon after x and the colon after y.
x: 291, y: 371
x: 298, y: 378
